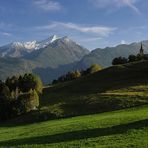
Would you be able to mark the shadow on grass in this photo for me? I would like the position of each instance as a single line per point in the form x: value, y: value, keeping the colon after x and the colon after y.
x: 77, y: 135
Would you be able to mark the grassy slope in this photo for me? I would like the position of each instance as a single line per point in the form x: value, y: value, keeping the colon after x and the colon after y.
x: 125, y: 128
x: 113, y: 88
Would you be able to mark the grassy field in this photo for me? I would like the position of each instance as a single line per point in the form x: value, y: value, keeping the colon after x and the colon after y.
x: 117, y: 129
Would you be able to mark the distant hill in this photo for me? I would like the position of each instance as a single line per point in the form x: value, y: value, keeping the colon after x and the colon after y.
x: 105, y: 56
x: 49, y: 58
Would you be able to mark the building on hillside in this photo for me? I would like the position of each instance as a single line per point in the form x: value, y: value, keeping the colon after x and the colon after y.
x: 141, y: 52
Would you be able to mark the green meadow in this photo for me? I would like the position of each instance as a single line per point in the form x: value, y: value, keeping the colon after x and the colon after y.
x: 124, y: 128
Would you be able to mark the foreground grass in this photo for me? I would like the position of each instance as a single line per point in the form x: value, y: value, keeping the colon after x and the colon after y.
x: 125, y: 128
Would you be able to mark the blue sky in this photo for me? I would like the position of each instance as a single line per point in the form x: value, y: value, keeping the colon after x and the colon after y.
x: 92, y: 23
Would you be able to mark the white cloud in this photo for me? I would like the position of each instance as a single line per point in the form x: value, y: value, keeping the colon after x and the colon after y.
x: 89, y: 29
x: 97, y: 30
x: 93, y: 39
x: 48, y: 5
x: 50, y: 26
x: 116, y: 3
x: 6, y: 34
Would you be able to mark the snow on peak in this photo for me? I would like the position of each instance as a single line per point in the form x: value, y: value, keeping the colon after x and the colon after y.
x: 33, y: 45
x: 30, y: 46
x: 24, y: 45
x: 53, y: 38
x: 44, y: 43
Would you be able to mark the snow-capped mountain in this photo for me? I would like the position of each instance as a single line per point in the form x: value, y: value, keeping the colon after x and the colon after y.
x: 19, y: 49
x: 48, y: 58
x: 44, y: 43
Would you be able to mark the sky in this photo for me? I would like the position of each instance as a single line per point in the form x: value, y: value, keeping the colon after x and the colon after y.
x: 91, y: 23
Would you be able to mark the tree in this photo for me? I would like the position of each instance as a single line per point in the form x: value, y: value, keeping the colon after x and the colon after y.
x: 140, y: 57
x: 77, y: 74
x: 93, y: 68
x: 27, y: 102
x: 119, y: 60
x: 68, y: 77
x: 19, y: 95
x: 132, y: 58
x: 30, y: 82
x: 145, y: 57
x: 54, y: 82
x: 4, y: 92
x: 12, y: 83
x: 73, y: 75
x: 5, y: 102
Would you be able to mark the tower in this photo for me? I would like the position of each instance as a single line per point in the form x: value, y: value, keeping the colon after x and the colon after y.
x: 141, y: 50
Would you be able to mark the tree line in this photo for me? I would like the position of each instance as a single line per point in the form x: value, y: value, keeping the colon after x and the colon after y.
x: 77, y: 74
x: 19, y: 95
x: 131, y: 58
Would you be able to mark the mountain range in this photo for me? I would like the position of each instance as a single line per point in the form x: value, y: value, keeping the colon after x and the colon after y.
x: 48, y: 58
x: 55, y: 56
x: 19, y: 49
